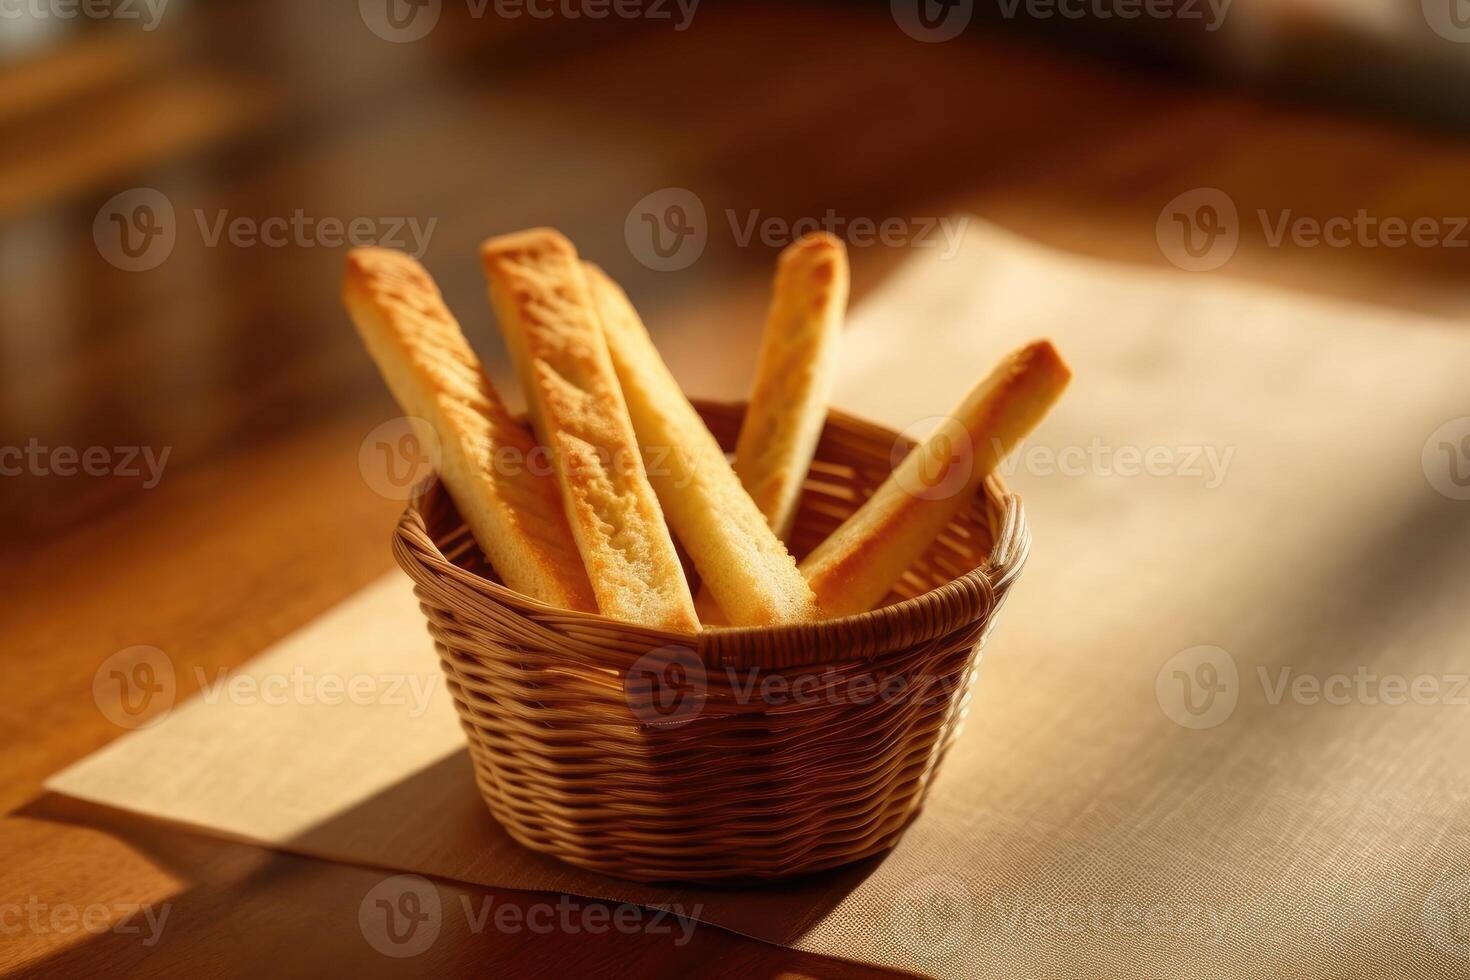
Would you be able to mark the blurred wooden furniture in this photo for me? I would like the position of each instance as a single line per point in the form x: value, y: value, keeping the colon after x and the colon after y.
x: 239, y: 360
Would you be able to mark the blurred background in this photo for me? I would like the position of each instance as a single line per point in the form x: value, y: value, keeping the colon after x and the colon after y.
x: 180, y: 179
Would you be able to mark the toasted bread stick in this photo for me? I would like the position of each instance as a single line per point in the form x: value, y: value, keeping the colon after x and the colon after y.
x: 545, y: 311
x: 740, y: 559
x: 857, y: 565
x: 487, y: 461
x: 793, y: 383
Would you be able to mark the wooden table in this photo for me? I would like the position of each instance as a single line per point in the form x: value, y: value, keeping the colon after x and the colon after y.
x: 238, y: 360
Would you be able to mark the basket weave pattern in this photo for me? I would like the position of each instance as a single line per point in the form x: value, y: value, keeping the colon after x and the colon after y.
x: 736, y: 754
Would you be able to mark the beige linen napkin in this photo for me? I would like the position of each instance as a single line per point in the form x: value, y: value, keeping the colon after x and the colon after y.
x: 1221, y: 731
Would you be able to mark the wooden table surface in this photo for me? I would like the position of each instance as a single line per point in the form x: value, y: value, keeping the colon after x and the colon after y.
x: 237, y: 359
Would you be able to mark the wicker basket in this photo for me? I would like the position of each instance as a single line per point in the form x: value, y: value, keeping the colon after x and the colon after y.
x: 737, y: 754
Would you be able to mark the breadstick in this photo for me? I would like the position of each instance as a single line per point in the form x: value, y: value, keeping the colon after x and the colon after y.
x: 486, y: 457
x: 745, y: 566
x: 857, y: 565
x: 793, y: 381
x: 545, y: 311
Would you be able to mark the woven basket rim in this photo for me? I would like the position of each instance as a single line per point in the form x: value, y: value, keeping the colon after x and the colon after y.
x: 965, y: 599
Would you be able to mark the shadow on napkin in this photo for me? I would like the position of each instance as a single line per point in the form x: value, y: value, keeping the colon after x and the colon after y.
x: 221, y: 905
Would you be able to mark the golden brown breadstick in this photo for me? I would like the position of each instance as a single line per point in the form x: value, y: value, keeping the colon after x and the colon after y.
x: 793, y: 383
x: 745, y: 566
x: 545, y: 310
x: 857, y: 565
x: 793, y: 380
x: 514, y: 514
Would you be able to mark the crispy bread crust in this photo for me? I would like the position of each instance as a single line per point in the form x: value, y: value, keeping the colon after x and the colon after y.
x: 514, y: 514
x: 858, y: 564
x: 545, y: 310
x: 742, y: 562
x: 794, y: 376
